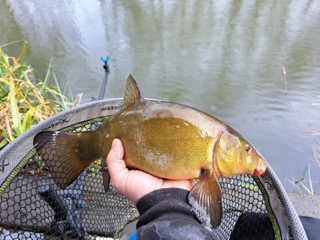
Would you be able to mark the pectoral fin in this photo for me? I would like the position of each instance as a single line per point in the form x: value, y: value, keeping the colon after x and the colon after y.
x: 205, y: 198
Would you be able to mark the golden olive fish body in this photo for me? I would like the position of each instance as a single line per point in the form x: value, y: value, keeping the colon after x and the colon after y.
x: 174, y: 141
x: 165, y: 139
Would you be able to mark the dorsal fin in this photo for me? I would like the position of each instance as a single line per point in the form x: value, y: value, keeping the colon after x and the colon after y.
x: 132, y: 91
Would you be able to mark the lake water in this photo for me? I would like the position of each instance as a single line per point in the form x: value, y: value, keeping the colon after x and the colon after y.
x: 225, y: 58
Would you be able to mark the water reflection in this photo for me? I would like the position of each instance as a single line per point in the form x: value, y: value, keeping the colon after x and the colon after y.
x: 223, y: 57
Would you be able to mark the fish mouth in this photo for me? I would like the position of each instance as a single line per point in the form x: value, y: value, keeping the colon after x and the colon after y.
x: 261, y: 168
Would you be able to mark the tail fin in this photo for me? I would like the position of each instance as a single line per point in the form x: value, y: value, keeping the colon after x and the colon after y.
x: 65, y: 154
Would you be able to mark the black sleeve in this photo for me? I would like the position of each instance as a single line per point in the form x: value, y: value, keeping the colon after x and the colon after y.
x: 166, y: 214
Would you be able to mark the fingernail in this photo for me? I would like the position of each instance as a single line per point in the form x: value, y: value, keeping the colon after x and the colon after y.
x: 115, y: 145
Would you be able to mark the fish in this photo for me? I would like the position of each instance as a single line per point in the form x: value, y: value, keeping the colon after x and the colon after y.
x: 165, y: 139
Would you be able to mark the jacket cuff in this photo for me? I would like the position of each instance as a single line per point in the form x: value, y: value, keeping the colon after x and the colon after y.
x: 155, y: 197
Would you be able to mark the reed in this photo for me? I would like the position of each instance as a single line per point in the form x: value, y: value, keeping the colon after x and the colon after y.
x: 24, y: 100
x: 305, y: 183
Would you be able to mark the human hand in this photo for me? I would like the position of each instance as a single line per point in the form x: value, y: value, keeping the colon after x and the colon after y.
x: 134, y: 184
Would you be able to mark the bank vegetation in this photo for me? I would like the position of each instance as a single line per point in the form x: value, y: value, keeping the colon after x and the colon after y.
x: 24, y: 99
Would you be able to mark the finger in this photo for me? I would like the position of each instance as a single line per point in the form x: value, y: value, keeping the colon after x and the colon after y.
x: 116, y: 151
x: 117, y: 145
x: 116, y: 165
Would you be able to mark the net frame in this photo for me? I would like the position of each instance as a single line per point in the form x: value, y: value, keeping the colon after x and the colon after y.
x: 265, y: 191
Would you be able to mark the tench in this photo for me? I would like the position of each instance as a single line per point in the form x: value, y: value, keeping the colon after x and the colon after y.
x: 165, y: 139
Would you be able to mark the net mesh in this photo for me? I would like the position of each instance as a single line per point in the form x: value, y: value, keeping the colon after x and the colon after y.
x: 33, y: 207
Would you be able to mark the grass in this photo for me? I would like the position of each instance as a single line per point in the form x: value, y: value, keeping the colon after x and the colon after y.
x: 305, y: 183
x: 24, y: 100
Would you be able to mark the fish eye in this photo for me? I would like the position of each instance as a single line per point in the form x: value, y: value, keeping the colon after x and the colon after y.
x: 247, y: 148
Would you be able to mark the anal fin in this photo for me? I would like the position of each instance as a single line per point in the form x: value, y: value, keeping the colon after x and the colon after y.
x: 205, y: 198
x: 105, y: 175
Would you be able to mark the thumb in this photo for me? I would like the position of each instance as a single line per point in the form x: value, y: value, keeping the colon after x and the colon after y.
x: 116, y: 151
x: 117, y: 148
x: 116, y: 165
